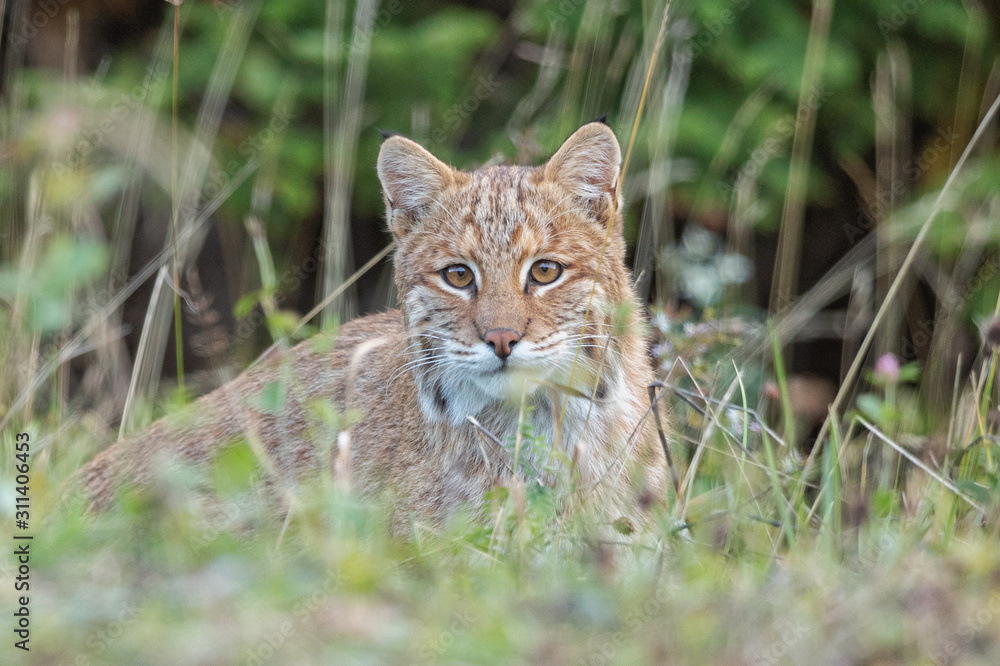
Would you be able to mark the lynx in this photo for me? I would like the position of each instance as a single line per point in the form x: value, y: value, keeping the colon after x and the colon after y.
x: 516, y: 311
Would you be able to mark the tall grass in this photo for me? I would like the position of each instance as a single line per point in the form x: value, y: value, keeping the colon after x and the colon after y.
x: 868, y: 533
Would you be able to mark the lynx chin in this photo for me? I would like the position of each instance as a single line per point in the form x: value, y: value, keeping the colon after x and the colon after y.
x: 515, y: 307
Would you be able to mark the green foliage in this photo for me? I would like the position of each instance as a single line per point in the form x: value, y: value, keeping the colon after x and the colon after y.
x: 48, y: 290
x: 235, y: 468
x: 769, y: 550
x: 328, y: 585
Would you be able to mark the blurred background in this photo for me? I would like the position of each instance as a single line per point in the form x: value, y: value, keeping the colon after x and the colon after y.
x: 794, y: 166
x: 787, y: 155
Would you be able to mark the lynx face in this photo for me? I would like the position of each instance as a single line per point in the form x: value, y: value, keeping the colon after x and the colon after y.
x: 495, y: 271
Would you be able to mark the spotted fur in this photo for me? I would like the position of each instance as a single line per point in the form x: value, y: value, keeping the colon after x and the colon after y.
x: 578, y: 370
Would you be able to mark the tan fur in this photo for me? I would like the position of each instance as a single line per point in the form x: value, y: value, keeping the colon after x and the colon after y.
x: 417, y: 374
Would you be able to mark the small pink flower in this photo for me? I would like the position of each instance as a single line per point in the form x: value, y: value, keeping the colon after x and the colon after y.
x: 887, y: 369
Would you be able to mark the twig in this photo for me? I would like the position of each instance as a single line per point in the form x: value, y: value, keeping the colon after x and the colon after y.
x: 916, y: 461
x: 687, y: 396
x: 326, y: 301
x: 663, y: 438
x: 492, y: 439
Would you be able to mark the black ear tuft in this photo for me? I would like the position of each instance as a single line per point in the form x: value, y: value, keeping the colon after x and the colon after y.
x: 386, y: 134
x: 603, y: 120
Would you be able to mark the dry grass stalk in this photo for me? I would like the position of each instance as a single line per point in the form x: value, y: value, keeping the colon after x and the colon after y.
x: 340, y: 131
x: 188, y: 236
x: 915, y: 248
x: 891, y: 100
x: 786, y: 269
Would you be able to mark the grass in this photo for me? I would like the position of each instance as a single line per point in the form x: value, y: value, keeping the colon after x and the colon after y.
x: 909, y: 574
x: 866, y: 535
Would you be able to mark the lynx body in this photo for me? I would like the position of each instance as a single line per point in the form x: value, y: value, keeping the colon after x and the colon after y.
x: 516, y: 309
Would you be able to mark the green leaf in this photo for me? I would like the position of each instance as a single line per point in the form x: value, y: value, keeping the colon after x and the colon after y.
x: 49, y: 315
x: 884, y: 503
x: 235, y: 468
x: 272, y: 398
x: 977, y: 492
x: 69, y: 264
x: 870, y: 405
x: 10, y: 283
x: 910, y: 372
x: 246, y: 304
x: 282, y: 323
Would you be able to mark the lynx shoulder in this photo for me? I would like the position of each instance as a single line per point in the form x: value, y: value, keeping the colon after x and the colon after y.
x: 515, y: 308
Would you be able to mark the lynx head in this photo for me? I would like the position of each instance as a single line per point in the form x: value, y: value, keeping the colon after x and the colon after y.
x: 496, y: 269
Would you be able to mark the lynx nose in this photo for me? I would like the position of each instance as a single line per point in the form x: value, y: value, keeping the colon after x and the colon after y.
x: 502, y: 340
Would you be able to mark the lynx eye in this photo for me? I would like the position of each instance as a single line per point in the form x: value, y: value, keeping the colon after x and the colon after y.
x: 545, y: 271
x: 458, y: 275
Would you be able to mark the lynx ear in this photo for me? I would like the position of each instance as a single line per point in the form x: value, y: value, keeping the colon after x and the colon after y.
x: 587, y: 163
x: 411, y: 177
